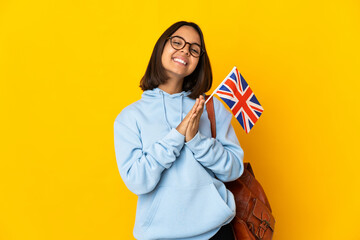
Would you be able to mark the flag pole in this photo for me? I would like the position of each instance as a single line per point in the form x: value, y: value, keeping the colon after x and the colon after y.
x: 219, y: 86
x: 212, y: 93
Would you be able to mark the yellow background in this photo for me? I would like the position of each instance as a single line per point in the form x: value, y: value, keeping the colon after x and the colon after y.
x: 67, y: 68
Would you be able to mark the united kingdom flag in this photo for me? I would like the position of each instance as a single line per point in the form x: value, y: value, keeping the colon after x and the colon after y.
x: 237, y: 94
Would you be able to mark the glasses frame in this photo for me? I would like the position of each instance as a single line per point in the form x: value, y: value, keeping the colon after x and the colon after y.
x: 202, y: 51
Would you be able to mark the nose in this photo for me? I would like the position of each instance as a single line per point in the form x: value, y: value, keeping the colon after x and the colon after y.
x: 186, y: 49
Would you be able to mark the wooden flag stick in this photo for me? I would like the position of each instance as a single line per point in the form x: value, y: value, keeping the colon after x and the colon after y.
x: 218, y: 86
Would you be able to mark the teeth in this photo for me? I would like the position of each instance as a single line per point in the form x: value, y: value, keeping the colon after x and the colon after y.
x: 179, y: 60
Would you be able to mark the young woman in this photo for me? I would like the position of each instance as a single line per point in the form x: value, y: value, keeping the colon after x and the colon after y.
x: 164, y: 149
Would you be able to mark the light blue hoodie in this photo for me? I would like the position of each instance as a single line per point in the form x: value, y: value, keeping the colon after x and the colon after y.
x: 181, y: 194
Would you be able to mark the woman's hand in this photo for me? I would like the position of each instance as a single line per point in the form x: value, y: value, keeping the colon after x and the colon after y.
x: 182, y: 127
x: 193, y: 125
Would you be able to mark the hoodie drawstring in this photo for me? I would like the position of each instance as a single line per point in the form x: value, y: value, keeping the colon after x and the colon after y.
x: 181, y: 107
x: 164, y: 109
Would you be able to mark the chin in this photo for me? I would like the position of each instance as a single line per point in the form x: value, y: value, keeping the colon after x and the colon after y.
x: 176, y: 74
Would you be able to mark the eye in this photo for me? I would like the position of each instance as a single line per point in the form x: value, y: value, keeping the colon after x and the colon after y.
x: 176, y: 42
x: 194, y: 50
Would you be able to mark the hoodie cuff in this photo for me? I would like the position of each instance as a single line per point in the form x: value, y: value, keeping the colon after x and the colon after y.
x: 194, y: 143
x: 175, y: 139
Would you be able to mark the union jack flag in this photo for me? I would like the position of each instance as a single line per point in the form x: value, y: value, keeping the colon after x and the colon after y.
x: 237, y: 94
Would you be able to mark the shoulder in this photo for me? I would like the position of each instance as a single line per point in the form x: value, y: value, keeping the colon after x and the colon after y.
x: 129, y: 114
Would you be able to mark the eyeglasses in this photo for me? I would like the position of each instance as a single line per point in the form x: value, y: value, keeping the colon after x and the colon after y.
x: 179, y: 43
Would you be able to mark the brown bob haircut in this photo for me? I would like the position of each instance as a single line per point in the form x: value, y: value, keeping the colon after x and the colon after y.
x: 198, y: 82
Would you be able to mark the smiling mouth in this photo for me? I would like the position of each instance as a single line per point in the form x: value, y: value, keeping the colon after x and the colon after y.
x: 179, y: 61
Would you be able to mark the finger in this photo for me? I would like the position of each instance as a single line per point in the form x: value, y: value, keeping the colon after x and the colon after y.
x: 199, y: 103
x: 190, y: 124
x: 200, y: 108
x: 193, y: 117
x: 202, y: 101
x: 192, y: 111
x: 196, y: 105
x: 199, y: 112
x: 197, y: 118
x: 202, y: 104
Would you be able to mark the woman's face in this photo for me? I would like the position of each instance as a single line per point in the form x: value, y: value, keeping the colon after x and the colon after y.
x: 180, y: 63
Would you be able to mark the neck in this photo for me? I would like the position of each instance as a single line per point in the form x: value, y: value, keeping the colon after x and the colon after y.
x: 172, y: 86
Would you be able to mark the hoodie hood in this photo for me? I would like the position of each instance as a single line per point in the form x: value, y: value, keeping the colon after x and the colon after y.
x: 158, y: 94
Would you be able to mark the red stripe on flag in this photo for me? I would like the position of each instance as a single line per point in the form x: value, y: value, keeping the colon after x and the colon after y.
x: 225, y: 93
x: 257, y: 109
x: 242, y: 101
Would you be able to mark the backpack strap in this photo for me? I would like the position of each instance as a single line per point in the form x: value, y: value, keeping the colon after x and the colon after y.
x: 211, y: 115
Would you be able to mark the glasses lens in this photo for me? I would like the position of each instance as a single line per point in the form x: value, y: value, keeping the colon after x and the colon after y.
x: 177, y: 43
x: 195, y: 50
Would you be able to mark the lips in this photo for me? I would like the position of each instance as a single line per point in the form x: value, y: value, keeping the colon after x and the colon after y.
x: 180, y: 60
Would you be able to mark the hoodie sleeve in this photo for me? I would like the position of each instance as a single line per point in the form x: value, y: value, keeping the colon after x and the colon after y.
x: 223, y: 155
x: 141, y: 168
